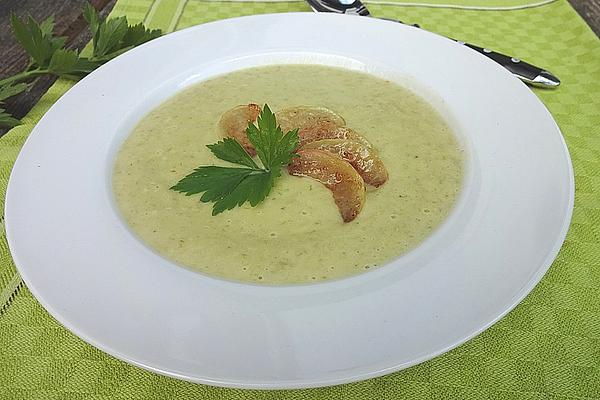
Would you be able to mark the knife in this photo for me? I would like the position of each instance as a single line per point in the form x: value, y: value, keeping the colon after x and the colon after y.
x: 526, y: 72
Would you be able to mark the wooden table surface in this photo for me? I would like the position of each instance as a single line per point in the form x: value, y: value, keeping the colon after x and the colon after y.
x: 69, y: 22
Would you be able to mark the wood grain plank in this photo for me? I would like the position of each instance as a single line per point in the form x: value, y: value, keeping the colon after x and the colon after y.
x: 590, y: 11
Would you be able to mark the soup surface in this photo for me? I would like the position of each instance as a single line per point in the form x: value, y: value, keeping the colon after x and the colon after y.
x: 296, y: 235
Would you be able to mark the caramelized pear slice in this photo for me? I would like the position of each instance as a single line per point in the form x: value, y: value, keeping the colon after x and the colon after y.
x: 337, y: 175
x: 303, y: 117
x: 326, y: 130
x: 363, y: 158
x: 234, y: 122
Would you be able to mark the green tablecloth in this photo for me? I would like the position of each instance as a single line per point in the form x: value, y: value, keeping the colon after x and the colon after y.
x: 547, y: 348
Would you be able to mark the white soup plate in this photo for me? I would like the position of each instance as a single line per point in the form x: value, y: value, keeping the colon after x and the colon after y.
x: 85, y: 266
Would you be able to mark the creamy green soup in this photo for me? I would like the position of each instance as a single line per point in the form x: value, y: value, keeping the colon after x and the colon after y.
x: 296, y: 235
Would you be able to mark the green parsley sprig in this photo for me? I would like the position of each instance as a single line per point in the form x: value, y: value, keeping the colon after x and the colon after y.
x: 48, y: 55
x: 228, y: 187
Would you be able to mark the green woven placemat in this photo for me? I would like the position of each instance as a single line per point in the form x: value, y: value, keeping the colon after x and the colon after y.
x: 547, y: 348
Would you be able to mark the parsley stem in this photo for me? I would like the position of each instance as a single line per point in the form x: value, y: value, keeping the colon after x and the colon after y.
x: 23, y: 76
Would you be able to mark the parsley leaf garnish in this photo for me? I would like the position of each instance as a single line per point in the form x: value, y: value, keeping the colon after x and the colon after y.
x: 7, y: 120
x: 9, y: 90
x: 229, y: 187
x: 114, y: 36
x: 48, y: 54
x: 37, y: 39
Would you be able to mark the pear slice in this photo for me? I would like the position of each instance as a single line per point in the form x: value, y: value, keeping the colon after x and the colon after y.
x: 303, y: 117
x: 327, y: 130
x: 337, y: 175
x: 363, y: 158
x: 234, y: 122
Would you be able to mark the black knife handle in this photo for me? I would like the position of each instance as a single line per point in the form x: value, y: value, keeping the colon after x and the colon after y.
x: 526, y: 72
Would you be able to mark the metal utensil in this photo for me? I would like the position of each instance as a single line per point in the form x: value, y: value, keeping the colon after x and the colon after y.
x: 528, y: 73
